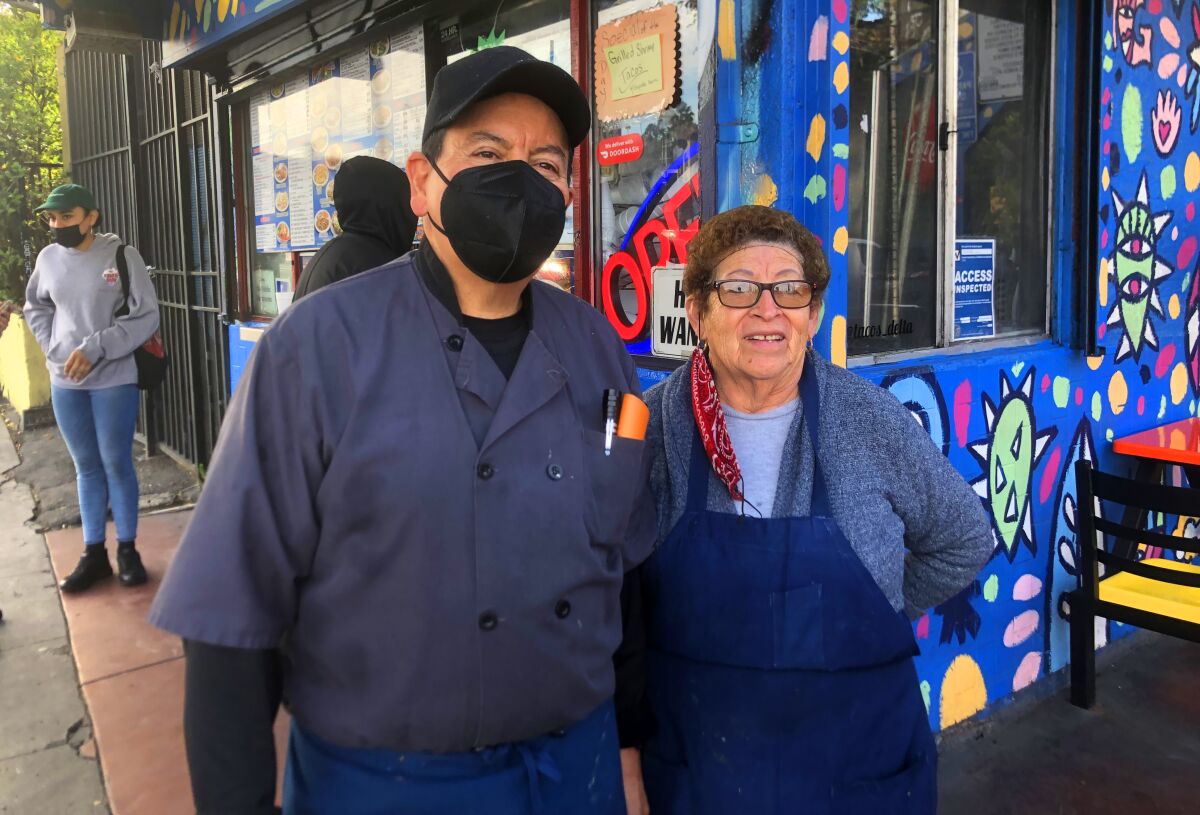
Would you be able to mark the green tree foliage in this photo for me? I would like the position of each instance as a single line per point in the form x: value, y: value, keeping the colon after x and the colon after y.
x: 30, y: 138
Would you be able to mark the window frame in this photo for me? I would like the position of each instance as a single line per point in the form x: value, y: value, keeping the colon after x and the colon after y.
x: 947, y: 181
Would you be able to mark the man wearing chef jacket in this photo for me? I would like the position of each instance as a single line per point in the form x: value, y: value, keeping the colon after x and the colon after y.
x: 412, y: 530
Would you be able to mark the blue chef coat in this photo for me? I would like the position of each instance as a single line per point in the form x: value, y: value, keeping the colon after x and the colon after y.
x: 443, y: 547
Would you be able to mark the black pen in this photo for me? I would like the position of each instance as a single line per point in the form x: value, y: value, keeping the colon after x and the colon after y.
x: 612, y: 398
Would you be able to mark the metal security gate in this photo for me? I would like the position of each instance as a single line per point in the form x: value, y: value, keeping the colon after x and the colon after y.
x: 179, y: 237
x: 97, y: 124
x: 142, y: 140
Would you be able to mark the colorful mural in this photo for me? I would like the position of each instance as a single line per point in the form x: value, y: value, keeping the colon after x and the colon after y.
x: 1014, y: 423
x: 190, y: 26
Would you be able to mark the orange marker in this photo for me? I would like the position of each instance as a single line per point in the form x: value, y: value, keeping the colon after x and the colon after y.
x: 635, y: 416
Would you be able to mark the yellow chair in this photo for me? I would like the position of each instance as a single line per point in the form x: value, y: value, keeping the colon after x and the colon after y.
x: 1158, y: 594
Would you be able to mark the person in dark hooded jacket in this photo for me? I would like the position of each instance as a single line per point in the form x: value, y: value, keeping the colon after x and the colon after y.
x: 378, y: 224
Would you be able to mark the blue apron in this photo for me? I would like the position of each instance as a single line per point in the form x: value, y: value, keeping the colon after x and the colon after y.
x: 780, y: 676
x: 576, y: 770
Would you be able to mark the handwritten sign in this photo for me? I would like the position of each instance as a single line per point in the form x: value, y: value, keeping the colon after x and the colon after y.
x: 636, y: 67
x: 636, y: 64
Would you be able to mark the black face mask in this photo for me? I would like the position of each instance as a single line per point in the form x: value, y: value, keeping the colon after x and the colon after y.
x: 503, y: 220
x: 68, y: 236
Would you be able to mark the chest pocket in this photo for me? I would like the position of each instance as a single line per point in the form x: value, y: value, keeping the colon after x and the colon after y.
x: 615, y: 481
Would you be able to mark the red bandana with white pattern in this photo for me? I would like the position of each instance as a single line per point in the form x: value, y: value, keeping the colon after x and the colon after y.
x: 710, y: 421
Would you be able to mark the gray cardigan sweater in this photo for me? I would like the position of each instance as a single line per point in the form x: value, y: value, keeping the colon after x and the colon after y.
x: 914, y: 522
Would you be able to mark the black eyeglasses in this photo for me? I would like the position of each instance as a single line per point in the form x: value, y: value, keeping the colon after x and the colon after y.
x: 746, y: 293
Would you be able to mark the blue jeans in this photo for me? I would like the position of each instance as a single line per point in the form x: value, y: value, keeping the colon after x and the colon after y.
x: 98, y: 426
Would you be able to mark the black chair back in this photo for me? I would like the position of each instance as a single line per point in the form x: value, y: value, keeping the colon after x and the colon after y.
x: 1153, y: 498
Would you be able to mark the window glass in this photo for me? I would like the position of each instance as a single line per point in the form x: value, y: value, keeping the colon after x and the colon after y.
x: 271, y: 274
x: 997, y: 222
x: 646, y: 156
x: 892, y: 259
x: 1002, y: 150
x: 368, y: 101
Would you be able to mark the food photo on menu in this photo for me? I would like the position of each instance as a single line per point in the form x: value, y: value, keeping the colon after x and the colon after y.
x: 324, y: 222
x: 320, y: 139
x: 381, y: 82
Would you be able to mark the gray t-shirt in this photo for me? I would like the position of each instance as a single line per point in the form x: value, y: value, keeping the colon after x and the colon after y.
x: 758, y: 442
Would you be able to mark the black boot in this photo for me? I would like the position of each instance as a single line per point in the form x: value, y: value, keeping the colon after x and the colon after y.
x: 93, y: 567
x: 130, y: 570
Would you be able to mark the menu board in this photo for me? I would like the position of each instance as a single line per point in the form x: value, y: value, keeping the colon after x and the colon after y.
x: 370, y: 102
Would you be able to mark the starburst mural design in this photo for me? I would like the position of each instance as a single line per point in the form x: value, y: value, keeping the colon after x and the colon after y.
x: 1137, y: 271
x: 1008, y: 456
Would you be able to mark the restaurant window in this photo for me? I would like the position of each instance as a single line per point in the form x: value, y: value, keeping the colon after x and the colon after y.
x: 947, y: 96
x: 369, y: 100
x: 646, y: 165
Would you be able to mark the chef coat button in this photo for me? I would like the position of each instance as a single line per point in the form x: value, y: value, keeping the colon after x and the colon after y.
x: 555, y: 472
x: 485, y: 471
x: 488, y: 621
x: 454, y: 342
x: 562, y: 609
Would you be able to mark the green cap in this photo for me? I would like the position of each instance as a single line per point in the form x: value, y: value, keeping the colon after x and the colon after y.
x: 69, y: 196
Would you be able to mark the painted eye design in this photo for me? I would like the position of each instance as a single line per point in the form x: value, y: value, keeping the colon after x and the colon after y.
x: 1135, y: 286
x: 1136, y: 248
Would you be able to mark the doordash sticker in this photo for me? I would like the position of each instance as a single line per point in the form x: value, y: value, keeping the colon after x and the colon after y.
x: 619, y: 149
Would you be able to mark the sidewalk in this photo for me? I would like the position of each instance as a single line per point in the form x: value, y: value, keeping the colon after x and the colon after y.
x: 47, y: 757
x: 74, y: 666
x: 132, y: 676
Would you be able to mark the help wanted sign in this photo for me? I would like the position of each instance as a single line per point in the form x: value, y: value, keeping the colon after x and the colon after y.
x: 671, y: 335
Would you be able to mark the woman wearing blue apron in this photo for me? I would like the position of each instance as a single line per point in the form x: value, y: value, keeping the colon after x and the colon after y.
x: 801, y: 512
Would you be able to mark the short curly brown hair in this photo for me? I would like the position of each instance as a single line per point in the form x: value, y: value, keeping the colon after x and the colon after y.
x: 724, y: 234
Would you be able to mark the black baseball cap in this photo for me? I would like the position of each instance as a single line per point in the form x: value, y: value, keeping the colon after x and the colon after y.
x: 505, y: 69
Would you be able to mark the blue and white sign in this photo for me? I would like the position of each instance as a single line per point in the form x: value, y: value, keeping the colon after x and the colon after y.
x: 974, y: 288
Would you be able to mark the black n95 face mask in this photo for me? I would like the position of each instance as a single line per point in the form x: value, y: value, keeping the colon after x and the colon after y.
x: 68, y: 236
x: 503, y: 220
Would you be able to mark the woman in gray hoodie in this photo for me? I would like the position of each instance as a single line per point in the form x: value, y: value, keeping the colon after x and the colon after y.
x: 72, y: 304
